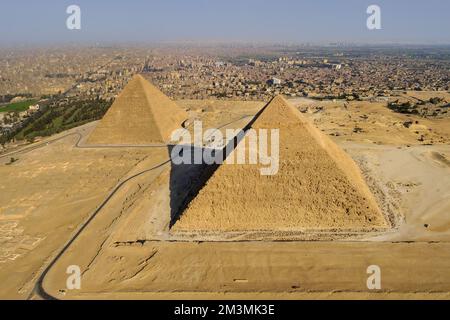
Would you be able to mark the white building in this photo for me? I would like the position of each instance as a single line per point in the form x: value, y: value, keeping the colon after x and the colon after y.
x: 275, y: 81
x: 33, y: 108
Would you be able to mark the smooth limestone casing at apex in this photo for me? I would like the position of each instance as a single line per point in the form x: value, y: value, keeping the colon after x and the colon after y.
x: 318, y: 186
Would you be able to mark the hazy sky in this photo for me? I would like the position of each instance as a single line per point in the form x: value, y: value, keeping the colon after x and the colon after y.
x: 320, y: 21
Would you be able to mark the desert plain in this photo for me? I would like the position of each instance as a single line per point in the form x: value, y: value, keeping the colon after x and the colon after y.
x: 113, y: 210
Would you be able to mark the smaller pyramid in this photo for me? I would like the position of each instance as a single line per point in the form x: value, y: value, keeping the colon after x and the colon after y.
x: 141, y: 114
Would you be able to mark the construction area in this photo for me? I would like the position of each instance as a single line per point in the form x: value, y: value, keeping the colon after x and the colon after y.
x: 108, y: 197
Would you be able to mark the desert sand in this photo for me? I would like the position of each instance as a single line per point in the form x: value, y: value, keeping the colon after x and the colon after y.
x: 107, y: 209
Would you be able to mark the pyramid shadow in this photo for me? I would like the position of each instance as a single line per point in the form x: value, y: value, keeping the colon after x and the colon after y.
x: 318, y: 187
x: 187, y: 179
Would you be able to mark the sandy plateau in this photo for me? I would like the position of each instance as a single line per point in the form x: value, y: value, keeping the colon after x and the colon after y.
x: 110, y: 210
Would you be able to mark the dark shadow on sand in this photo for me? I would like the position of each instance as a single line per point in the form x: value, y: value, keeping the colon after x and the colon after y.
x: 187, y: 179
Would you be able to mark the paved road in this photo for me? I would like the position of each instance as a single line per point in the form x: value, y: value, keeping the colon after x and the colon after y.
x: 97, y: 146
x: 38, y: 289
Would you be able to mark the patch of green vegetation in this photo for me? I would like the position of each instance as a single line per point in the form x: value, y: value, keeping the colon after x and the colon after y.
x: 404, y: 107
x: 63, y: 115
x: 8, y: 97
x: 18, y: 106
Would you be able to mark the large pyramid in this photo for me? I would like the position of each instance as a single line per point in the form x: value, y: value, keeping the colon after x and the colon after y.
x: 141, y: 114
x: 318, y: 186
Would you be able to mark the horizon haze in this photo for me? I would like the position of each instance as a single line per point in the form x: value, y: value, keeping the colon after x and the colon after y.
x: 250, y: 21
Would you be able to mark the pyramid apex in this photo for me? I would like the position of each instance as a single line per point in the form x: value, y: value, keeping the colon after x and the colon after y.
x: 321, y: 186
x: 279, y: 96
x: 277, y: 110
x: 137, y: 77
x: 141, y: 114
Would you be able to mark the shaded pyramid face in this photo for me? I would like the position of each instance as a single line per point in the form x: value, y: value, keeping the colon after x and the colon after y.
x: 141, y: 114
x: 318, y: 186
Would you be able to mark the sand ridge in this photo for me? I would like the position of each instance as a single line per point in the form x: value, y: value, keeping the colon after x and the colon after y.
x: 141, y: 114
x: 318, y: 186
